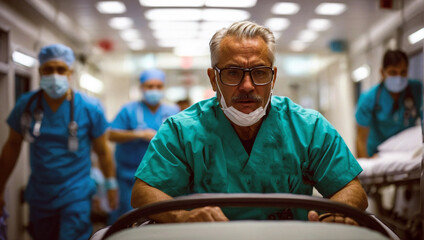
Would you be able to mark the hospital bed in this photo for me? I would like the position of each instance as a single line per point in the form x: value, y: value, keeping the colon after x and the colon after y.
x: 397, y: 174
x: 370, y: 227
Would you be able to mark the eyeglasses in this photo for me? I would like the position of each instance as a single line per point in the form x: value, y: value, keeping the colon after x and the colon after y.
x: 233, y: 76
x: 47, y: 70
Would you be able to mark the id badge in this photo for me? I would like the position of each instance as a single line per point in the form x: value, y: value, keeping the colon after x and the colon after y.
x: 72, y: 143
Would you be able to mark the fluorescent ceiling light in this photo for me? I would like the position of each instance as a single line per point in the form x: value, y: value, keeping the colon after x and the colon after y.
x: 172, y: 3
x: 168, y: 42
x: 214, y: 26
x: 416, y: 36
x: 225, y: 15
x: 319, y: 24
x: 175, y: 34
x: 91, y: 83
x: 330, y: 8
x: 298, y: 46
x: 277, y: 24
x: 111, y: 7
x: 184, y: 51
x: 361, y: 73
x: 130, y: 35
x: 23, y: 59
x: 232, y: 3
x: 285, y: 8
x: 121, y: 23
x: 184, y: 14
x: 137, y: 45
x: 308, y: 36
x: 163, y: 25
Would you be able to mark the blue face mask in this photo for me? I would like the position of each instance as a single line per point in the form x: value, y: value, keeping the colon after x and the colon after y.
x: 396, y: 84
x: 54, y: 85
x: 152, y: 97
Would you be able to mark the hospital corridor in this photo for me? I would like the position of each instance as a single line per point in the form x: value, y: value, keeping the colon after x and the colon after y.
x: 211, y: 119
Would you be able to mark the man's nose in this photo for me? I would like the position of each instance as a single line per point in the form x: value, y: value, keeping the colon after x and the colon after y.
x: 246, y: 83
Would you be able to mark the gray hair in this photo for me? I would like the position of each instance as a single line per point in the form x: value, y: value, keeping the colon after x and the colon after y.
x: 241, y: 30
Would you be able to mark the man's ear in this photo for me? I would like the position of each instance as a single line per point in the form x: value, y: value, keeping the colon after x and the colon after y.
x: 211, y: 75
x: 275, y: 77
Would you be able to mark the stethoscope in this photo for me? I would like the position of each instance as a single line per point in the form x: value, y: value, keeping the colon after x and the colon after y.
x: 410, y: 111
x: 26, y: 120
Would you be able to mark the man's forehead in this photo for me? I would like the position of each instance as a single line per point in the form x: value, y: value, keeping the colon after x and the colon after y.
x: 233, y: 43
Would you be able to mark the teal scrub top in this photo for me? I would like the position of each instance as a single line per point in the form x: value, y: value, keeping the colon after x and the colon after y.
x: 59, y: 176
x: 198, y: 151
x: 132, y: 116
x: 388, y: 122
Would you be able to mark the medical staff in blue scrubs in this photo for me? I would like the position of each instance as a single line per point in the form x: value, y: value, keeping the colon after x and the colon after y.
x: 62, y: 126
x: 246, y: 141
x: 389, y: 107
x: 133, y: 128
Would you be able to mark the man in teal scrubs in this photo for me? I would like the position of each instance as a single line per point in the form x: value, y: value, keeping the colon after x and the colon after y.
x: 246, y: 141
x: 133, y: 128
x: 389, y: 107
x: 62, y: 125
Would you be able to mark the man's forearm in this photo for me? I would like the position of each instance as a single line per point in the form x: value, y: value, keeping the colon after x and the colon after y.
x: 9, y: 157
x: 123, y: 135
x: 352, y: 194
x: 143, y: 194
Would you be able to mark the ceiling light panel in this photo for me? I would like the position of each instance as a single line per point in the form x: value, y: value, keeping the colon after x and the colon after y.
x: 175, y: 34
x: 163, y: 25
x: 111, y: 7
x: 184, y: 14
x: 23, y: 59
x: 277, y: 24
x: 121, y: 23
x: 330, y: 8
x: 130, y: 35
x: 225, y: 15
x: 232, y: 3
x: 172, y: 3
x: 416, y: 36
x: 319, y: 24
x: 285, y: 8
x: 214, y: 26
x: 308, y: 36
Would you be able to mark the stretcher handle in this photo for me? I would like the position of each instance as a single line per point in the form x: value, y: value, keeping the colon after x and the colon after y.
x: 279, y: 200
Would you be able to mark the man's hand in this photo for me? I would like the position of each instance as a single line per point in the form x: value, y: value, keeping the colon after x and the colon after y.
x: 112, y: 197
x: 330, y: 217
x: 204, y: 214
x: 146, y: 134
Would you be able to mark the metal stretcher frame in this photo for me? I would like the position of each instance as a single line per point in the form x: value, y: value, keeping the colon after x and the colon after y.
x: 372, y: 183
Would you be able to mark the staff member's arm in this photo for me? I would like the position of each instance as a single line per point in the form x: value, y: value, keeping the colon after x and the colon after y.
x: 8, y: 159
x: 361, y: 141
x: 102, y: 149
x: 352, y: 194
x: 143, y: 194
x: 118, y: 135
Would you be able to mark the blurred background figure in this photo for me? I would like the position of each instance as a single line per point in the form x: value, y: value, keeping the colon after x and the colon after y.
x: 61, y: 125
x: 183, y: 103
x: 133, y: 128
x: 389, y: 107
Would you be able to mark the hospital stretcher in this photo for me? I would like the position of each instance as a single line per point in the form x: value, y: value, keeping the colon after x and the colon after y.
x: 399, y: 170
x: 371, y: 227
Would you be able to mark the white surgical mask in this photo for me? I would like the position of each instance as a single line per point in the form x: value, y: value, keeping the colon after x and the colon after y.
x: 396, y: 84
x: 55, y: 85
x: 240, y: 118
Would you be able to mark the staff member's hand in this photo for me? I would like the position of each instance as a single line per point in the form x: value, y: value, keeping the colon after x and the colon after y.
x: 204, y: 214
x: 112, y: 197
x: 330, y: 217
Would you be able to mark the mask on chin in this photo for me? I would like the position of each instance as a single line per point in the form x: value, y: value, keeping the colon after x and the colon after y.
x: 396, y: 84
x: 240, y: 118
x: 54, y: 85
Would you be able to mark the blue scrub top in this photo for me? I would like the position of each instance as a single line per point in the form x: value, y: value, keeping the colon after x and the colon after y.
x: 198, y: 151
x: 59, y: 176
x: 136, y: 115
x: 388, y: 122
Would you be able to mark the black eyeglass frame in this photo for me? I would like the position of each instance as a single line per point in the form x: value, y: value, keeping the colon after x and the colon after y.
x: 244, y: 71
